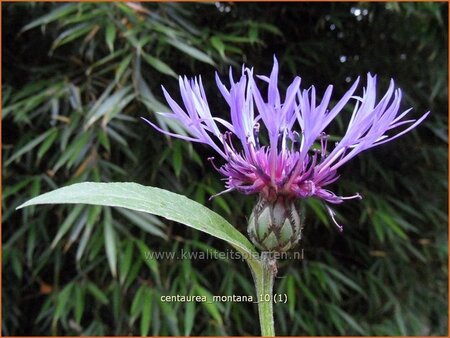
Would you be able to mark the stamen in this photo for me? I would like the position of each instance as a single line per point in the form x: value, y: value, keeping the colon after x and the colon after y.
x: 221, y: 193
x: 256, y: 135
x: 357, y: 195
x: 309, y: 168
x: 252, y: 153
x: 211, y: 159
x: 323, y: 144
x: 332, y: 214
x: 283, y: 139
x: 295, y: 138
x: 230, y: 151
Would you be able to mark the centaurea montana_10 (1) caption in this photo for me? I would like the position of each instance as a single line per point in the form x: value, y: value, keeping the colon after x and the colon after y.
x: 287, y: 168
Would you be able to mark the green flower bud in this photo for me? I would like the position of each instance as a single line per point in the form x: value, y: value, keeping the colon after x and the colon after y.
x: 275, y: 226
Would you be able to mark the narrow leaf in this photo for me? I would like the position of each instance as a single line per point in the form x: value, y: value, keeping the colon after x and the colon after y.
x: 218, y: 44
x: 52, y: 16
x: 146, y: 313
x: 192, y: 51
x: 30, y: 145
x: 159, y: 65
x: 110, y: 242
x: 152, y: 200
x: 97, y: 293
x: 110, y: 36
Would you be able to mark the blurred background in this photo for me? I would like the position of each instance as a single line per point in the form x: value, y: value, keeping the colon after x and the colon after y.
x: 76, y: 79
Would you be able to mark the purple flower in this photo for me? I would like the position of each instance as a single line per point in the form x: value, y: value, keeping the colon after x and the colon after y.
x: 289, y: 165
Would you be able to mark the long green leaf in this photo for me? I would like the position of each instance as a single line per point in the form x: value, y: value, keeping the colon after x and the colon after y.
x: 30, y: 145
x: 192, y: 51
x: 110, y: 242
x: 159, y: 65
x: 152, y: 200
x: 52, y: 16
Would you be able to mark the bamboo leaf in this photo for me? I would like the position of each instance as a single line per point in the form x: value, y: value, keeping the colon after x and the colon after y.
x: 125, y: 261
x: 159, y: 65
x: 97, y: 293
x: 71, y: 34
x: 192, y: 51
x: 210, y: 306
x: 67, y: 224
x: 79, y: 303
x: 146, y: 313
x: 30, y: 145
x: 149, y: 224
x: 110, y: 242
x: 62, y: 300
x: 110, y: 36
x: 218, y: 44
x: 189, y: 318
x: 52, y: 16
x: 108, y: 106
x: 47, y: 143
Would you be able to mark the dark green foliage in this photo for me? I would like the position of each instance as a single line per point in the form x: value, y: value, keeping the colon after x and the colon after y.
x: 76, y: 79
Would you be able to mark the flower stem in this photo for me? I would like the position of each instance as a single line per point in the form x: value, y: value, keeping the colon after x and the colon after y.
x: 264, y: 278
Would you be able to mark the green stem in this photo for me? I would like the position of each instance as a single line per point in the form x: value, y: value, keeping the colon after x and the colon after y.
x: 264, y: 277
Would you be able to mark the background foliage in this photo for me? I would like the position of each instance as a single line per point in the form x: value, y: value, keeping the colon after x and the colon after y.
x: 76, y: 79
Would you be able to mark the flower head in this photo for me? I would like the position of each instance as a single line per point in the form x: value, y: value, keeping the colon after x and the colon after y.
x: 287, y: 164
